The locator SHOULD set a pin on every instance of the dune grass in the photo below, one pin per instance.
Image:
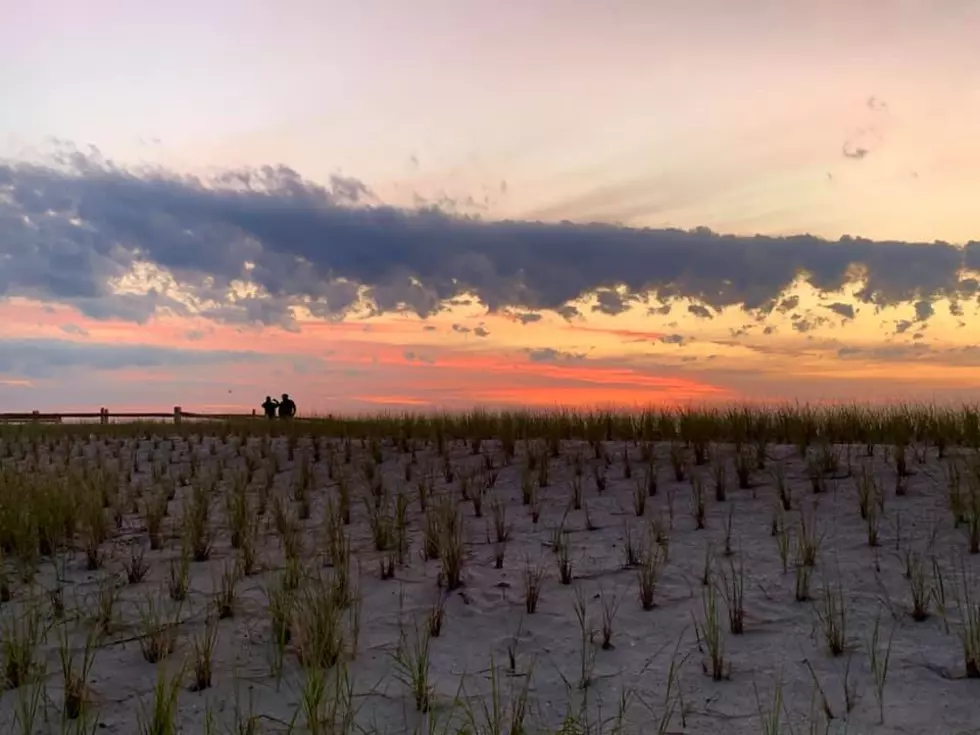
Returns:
(277, 546)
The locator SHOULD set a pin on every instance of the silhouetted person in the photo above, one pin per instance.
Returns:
(270, 407)
(287, 408)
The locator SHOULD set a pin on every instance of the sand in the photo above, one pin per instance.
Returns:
(926, 689)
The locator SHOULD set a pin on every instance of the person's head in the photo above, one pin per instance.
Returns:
(268, 398)
(285, 396)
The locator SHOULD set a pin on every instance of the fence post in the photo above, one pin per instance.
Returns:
(177, 414)
(34, 416)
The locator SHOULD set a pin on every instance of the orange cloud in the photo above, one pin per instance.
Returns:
(402, 361)
(392, 400)
(625, 333)
(16, 383)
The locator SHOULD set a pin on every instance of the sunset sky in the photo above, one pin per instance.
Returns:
(438, 204)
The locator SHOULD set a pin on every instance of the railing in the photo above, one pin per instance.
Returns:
(103, 415)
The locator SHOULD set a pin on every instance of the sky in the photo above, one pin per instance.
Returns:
(444, 204)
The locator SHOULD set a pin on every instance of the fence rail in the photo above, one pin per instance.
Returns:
(104, 414)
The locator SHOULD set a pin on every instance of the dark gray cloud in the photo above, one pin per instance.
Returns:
(69, 229)
(673, 339)
(845, 310)
(788, 304)
(568, 312)
(40, 358)
(611, 303)
(923, 310)
(528, 318)
(700, 311)
(808, 323)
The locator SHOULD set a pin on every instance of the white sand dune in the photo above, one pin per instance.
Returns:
(656, 665)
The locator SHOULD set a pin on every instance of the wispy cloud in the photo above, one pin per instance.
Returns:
(856, 152)
(549, 354)
(39, 358)
(16, 383)
(74, 329)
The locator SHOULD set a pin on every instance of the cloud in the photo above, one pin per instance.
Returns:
(74, 329)
(672, 339)
(923, 310)
(549, 354)
(611, 303)
(130, 307)
(700, 311)
(967, 356)
(41, 358)
(845, 310)
(864, 139)
(461, 329)
(876, 105)
(527, 318)
(809, 323)
(481, 331)
(788, 304)
(412, 356)
(71, 230)
(855, 152)
(9, 383)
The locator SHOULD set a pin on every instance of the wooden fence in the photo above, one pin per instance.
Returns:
(103, 415)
